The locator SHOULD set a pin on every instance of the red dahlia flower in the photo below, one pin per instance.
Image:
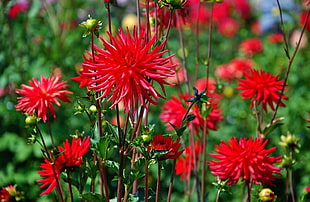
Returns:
(70, 155)
(252, 46)
(262, 87)
(235, 69)
(40, 96)
(173, 112)
(160, 143)
(127, 68)
(246, 159)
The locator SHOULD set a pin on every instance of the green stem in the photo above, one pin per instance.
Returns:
(70, 185)
(291, 179)
(58, 187)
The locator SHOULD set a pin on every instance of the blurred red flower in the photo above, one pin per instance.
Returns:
(262, 87)
(247, 159)
(173, 112)
(160, 143)
(70, 155)
(228, 27)
(17, 8)
(127, 68)
(185, 165)
(201, 85)
(235, 69)
(40, 96)
(4, 195)
(302, 20)
(275, 38)
(252, 46)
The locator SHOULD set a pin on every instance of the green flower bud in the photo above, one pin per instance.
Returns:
(267, 195)
(31, 120)
(146, 138)
(287, 162)
(172, 4)
(93, 109)
(290, 142)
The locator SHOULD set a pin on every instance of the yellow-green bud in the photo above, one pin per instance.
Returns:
(146, 138)
(287, 162)
(93, 109)
(31, 120)
(290, 142)
(91, 24)
(267, 195)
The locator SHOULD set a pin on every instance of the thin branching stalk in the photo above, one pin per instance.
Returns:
(171, 181)
(158, 182)
(70, 185)
(208, 61)
(183, 53)
(103, 177)
(258, 120)
(249, 190)
(197, 42)
(290, 58)
(146, 181)
(50, 132)
(51, 161)
(204, 156)
(287, 192)
(218, 195)
(109, 17)
(290, 173)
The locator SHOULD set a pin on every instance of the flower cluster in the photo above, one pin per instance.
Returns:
(174, 108)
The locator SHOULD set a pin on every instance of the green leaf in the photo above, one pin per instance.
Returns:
(102, 146)
(271, 127)
(92, 197)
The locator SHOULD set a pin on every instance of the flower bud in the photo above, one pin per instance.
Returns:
(287, 162)
(31, 120)
(267, 195)
(93, 109)
(146, 138)
(290, 142)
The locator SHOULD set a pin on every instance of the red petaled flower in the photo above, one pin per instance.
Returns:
(70, 155)
(308, 121)
(262, 87)
(160, 143)
(235, 69)
(173, 112)
(127, 68)
(4, 195)
(186, 164)
(40, 96)
(228, 27)
(252, 46)
(247, 159)
(275, 38)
